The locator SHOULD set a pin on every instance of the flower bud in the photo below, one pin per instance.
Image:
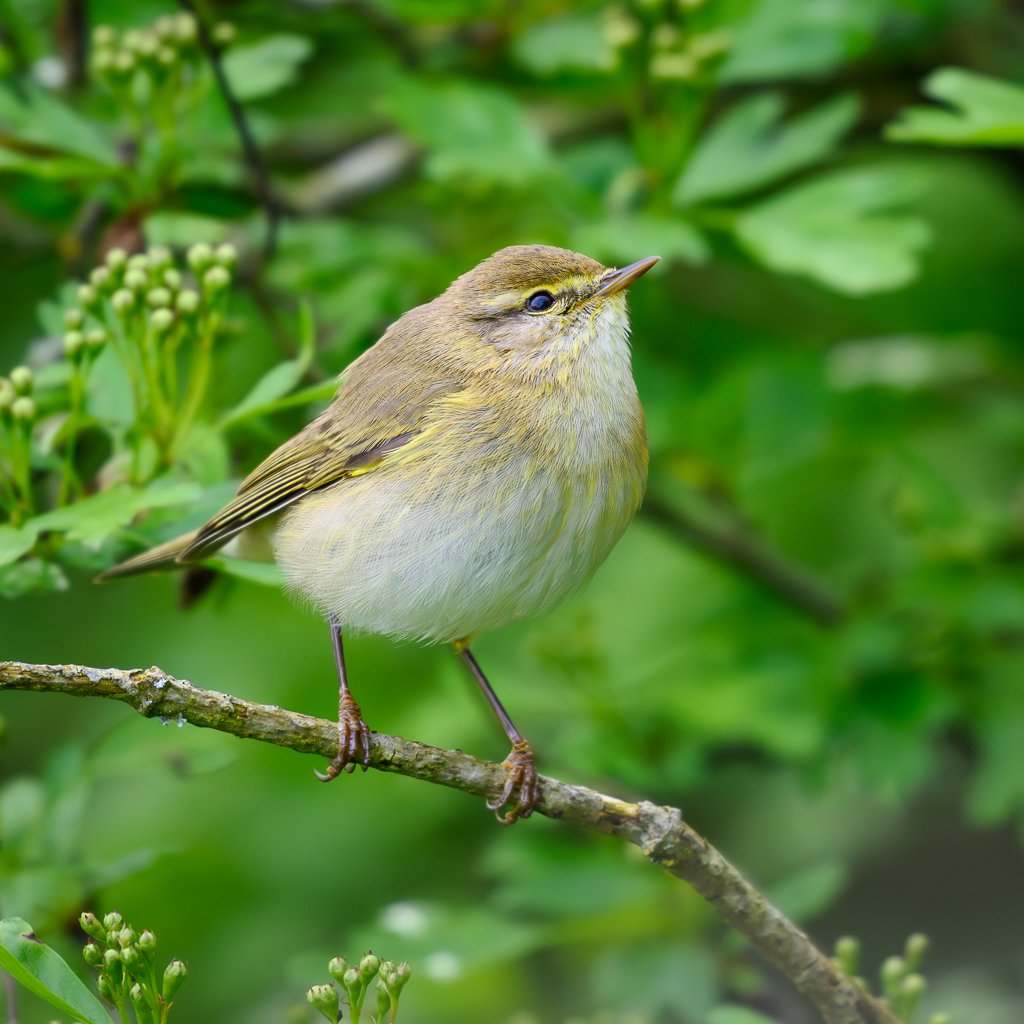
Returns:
(126, 936)
(917, 947)
(847, 954)
(103, 35)
(172, 278)
(892, 972)
(21, 378)
(74, 342)
(147, 941)
(131, 957)
(368, 967)
(403, 974)
(159, 256)
(112, 921)
(86, 295)
(102, 61)
(351, 980)
(199, 257)
(164, 25)
(99, 277)
(104, 988)
(161, 320)
(337, 968)
(166, 57)
(135, 994)
(185, 28)
(324, 999)
(92, 954)
(116, 258)
(911, 989)
(138, 261)
(124, 63)
(187, 301)
(111, 958)
(216, 279)
(73, 319)
(148, 44)
(226, 255)
(90, 924)
(224, 33)
(136, 280)
(174, 976)
(383, 1000)
(158, 297)
(122, 301)
(95, 337)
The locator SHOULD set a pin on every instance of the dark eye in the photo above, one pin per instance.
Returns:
(539, 301)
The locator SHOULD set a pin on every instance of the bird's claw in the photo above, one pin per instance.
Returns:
(520, 781)
(353, 742)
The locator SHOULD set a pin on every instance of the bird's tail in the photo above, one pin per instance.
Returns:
(164, 556)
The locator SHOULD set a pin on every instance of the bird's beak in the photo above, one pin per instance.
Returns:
(616, 280)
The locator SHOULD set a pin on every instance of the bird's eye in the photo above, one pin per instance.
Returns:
(540, 301)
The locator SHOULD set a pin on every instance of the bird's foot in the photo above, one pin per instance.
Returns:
(520, 783)
(353, 741)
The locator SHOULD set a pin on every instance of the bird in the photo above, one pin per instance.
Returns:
(475, 467)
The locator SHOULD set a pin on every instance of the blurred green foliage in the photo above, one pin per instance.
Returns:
(811, 640)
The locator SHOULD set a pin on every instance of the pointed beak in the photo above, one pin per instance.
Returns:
(616, 280)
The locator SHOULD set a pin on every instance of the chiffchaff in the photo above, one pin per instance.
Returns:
(476, 466)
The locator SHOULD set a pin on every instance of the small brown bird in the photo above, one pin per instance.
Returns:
(476, 466)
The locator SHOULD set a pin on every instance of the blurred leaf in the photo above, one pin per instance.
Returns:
(14, 542)
(280, 379)
(985, 111)
(809, 891)
(750, 146)
(260, 69)
(95, 518)
(39, 969)
(267, 574)
(997, 789)
(798, 38)
(32, 115)
(631, 236)
(838, 229)
(29, 575)
(575, 41)
(470, 130)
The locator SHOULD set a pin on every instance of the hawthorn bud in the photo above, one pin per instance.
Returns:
(174, 976)
(158, 297)
(199, 256)
(224, 33)
(95, 337)
(187, 301)
(337, 968)
(172, 278)
(216, 279)
(91, 925)
(136, 280)
(162, 319)
(226, 255)
(103, 35)
(21, 378)
(73, 319)
(368, 967)
(324, 999)
(116, 258)
(122, 301)
(112, 921)
(92, 954)
(86, 295)
(147, 941)
(99, 277)
(74, 342)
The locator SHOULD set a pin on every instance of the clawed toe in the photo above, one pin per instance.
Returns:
(520, 783)
(353, 743)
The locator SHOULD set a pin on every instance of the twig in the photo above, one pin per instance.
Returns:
(738, 547)
(253, 156)
(660, 832)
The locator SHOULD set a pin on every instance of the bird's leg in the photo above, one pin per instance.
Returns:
(520, 768)
(353, 735)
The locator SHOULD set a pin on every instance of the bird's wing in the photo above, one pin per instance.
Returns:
(381, 405)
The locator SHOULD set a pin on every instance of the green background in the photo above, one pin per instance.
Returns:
(830, 360)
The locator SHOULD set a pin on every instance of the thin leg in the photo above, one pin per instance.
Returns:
(353, 735)
(520, 767)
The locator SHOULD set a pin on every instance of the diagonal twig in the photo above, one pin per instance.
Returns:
(660, 832)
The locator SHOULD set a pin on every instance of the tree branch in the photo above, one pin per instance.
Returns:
(660, 832)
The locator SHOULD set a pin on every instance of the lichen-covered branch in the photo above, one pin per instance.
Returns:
(660, 832)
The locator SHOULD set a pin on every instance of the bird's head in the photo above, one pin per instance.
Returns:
(543, 305)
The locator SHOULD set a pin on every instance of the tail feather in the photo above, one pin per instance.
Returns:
(164, 556)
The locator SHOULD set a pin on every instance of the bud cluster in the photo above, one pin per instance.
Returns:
(355, 980)
(156, 310)
(672, 46)
(18, 413)
(127, 969)
(167, 48)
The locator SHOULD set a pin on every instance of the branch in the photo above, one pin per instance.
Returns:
(660, 832)
(737, 546)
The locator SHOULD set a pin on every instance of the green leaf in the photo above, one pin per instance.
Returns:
(281, 379)
(985, 111)
(14, 542)
(32, 115)
(91, 520)
(31, 575)
(840, 229)
(260, 69)
(631, 236)
(39, 969)
(810, 891)
(749, 146)
(470, 130)
(797, 38)
(267, 574)
(573, 42)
